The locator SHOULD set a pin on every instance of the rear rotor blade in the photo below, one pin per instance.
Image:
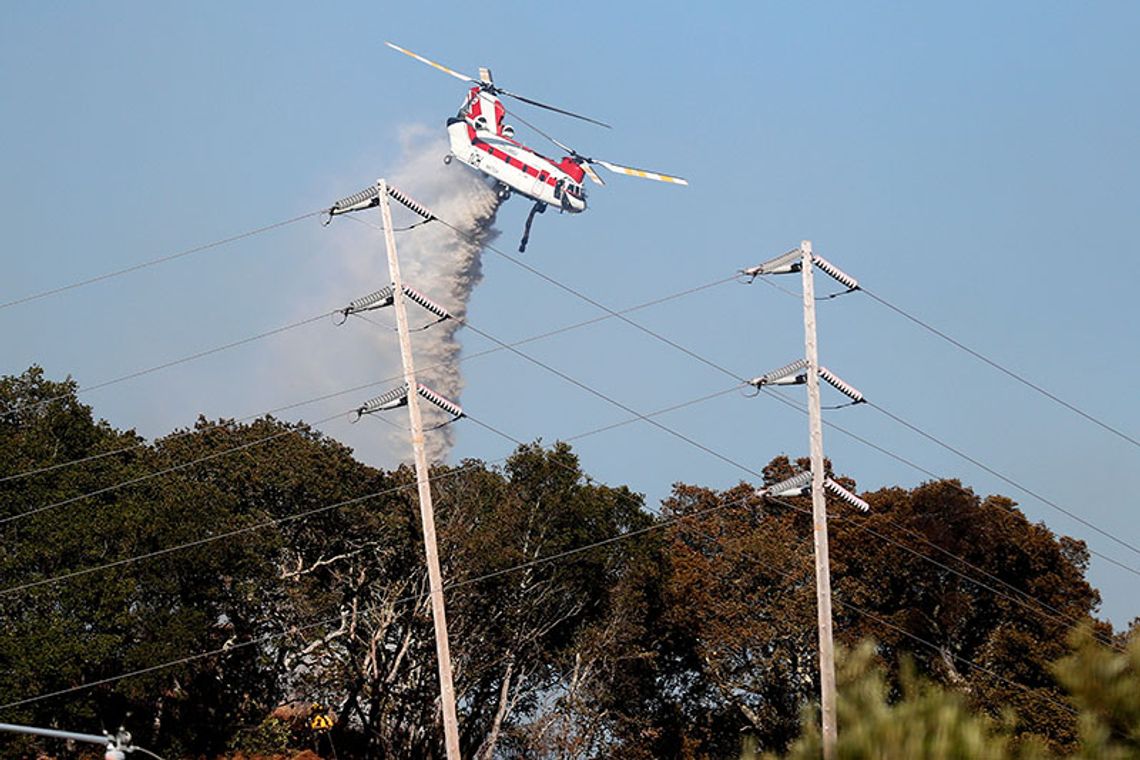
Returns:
(563, 146)
(643, 173)
(553, 108)
(433, 64)
(592, 174)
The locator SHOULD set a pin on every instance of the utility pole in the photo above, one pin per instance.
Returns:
(409, 394)
(427, 516)
(819, 512)
(804, 261)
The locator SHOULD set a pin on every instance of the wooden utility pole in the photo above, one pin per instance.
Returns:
(427, 517)
(819, 511)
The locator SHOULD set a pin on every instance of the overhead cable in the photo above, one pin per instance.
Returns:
(930, 473)
(318, 510)
(325, 397)
(1005, 370)
(159, 260)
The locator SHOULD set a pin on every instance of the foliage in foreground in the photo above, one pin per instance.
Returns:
(914, 718)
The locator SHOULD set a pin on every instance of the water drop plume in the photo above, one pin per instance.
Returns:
(434, 259)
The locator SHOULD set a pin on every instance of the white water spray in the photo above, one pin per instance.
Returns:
(444, 265)
(435, 260)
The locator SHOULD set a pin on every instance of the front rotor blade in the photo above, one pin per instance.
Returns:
(433, 64)
(644, 174)
(553, 108)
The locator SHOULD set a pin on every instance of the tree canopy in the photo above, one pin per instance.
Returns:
(216, 588)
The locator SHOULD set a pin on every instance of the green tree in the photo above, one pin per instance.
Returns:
(905, 718)
(1104, 683)
(96, 625)
(736, 649)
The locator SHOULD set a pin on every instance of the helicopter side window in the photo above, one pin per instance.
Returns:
(558, 188)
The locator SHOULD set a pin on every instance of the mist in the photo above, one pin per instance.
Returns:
(435, 260)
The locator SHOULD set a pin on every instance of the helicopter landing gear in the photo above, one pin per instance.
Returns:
(447, 159)
(503, 192)
(538, 208)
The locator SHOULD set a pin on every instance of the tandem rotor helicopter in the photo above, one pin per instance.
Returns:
(481, 138)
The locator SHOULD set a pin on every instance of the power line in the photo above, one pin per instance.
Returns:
(1003, 369)
(919, 468)
(722, 369)
(220, 536)
(978, 463)
(172, 363)
(578, 294)
(318, 510)
(326, 621)
(148, 476)
(184, 433)
(159, 260)
(616, 403)
(608, 399)
(1044, 610)
(1056, 616)
(755, 474)
(611, 313)
(957, 657)
(486, 577)
(501, 345)
(461, 359)
(1004, 478)
(986, 360)
(904, 632)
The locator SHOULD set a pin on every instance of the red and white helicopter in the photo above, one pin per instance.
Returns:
(481, 138)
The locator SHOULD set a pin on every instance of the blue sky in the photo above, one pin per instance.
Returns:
(976, 165)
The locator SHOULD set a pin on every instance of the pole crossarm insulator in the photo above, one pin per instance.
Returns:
(426, 303)
(842, 493)
(410, 204)
(443, 403)
(792, 261)
(789, 262)
(793, 486)
(393, 399)
(835, 272)
(398, 397)
(800, 485)
(378, 300)
(384, 297)
(369, 197)
(847, 390)
(789, 374)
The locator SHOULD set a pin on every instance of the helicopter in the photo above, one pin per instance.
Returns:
(480, 137)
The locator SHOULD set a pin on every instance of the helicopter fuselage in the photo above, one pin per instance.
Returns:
(480, 138)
